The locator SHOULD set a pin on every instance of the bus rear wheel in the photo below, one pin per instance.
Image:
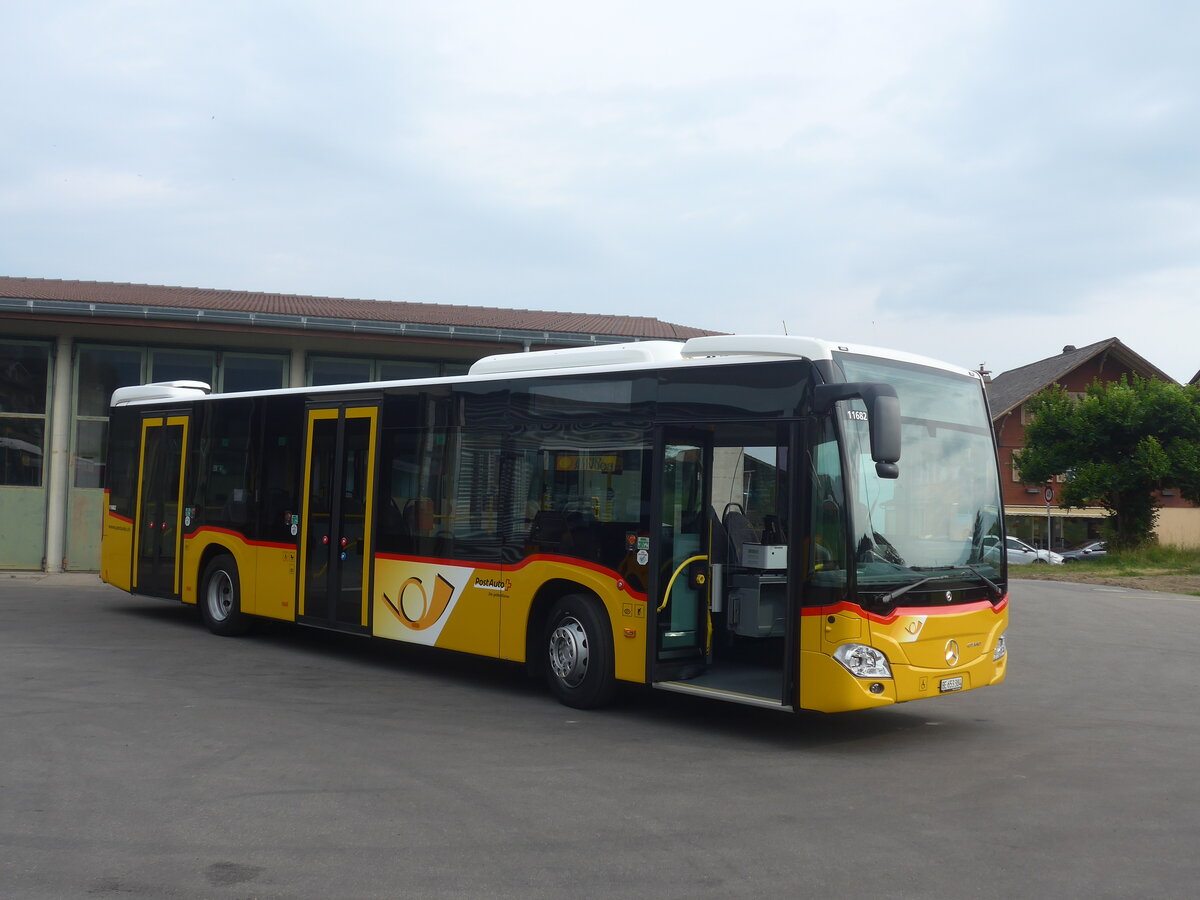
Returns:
(221, 597)
(579, 661)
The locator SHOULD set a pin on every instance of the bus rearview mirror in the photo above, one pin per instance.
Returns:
(883, 418)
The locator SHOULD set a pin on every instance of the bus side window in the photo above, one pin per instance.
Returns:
(577, 490)
(398, 486)
(279, 465)
(227, 478)
(120, 471)
(827, 544)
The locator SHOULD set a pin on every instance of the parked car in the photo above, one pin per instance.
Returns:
(1020, 553)
(1086, 550)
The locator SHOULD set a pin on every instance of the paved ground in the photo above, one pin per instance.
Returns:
(140, 756)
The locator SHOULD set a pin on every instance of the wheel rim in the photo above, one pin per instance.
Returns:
(219, 597)
(569, 652)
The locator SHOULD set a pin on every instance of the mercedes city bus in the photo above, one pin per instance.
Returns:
(771, 520)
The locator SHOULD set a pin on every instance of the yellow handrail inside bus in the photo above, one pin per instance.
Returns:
(682, 566)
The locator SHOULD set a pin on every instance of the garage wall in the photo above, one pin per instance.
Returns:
(1180, 527)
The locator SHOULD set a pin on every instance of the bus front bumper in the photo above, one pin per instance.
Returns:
(827, 686)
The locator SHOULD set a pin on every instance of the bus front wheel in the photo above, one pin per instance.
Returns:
(579, 662)
(221, 597)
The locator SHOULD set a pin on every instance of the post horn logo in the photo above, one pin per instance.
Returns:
(413, 606)
(952, 653)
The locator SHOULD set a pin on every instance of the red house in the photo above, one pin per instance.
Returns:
(1028, 516)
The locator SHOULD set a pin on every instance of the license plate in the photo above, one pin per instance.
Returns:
(950, 684)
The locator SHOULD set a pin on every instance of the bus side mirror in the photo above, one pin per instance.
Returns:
(883, 418)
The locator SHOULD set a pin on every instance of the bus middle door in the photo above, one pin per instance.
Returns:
(336, 519)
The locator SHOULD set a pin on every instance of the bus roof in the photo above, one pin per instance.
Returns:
(713, 349)
(648, 353)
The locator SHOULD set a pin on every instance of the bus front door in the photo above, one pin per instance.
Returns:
(159, 503)
(722, 607)
(682, 571)
(335, 544)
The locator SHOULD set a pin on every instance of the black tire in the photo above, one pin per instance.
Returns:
(220, 598)
(579, 652)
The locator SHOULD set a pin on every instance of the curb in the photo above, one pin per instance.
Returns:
(52, 579)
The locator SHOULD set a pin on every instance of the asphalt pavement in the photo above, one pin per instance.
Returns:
(141, 756)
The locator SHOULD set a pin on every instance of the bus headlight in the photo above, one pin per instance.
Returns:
(1001, 649)
(863, 661)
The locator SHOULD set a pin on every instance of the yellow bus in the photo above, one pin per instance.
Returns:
(770, 520)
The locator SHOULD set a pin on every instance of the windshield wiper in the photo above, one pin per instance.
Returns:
(904, 589)
(995, 587)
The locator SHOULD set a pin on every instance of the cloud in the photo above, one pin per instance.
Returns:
(985, 179)
(83, 191)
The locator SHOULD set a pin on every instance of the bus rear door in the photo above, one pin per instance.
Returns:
(157, 531)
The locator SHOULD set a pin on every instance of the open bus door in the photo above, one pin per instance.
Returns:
(335, 542)
(680, 590)
(724, 611)
(157, 531)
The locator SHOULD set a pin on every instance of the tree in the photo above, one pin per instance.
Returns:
(1123, 441)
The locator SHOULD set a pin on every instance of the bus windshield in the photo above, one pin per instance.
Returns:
(941, 518)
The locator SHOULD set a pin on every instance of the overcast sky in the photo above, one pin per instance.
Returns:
(978, 181)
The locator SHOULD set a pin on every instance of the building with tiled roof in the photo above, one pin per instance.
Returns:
(1074, 369)
(66, 345)
(1100, 359)
(209, 307)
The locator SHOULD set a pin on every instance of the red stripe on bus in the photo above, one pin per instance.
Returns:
(901, 611)
(229, 532)
(622, 584)
(582, 564)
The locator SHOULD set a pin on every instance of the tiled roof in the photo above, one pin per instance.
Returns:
(340, 308)
(1009, 389)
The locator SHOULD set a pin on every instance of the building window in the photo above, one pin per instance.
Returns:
(398, 370)
(345, 370)
(90, 436)
(98, 372)
(182, 365)
(24, 379)
(334, 370)
(251, 372)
